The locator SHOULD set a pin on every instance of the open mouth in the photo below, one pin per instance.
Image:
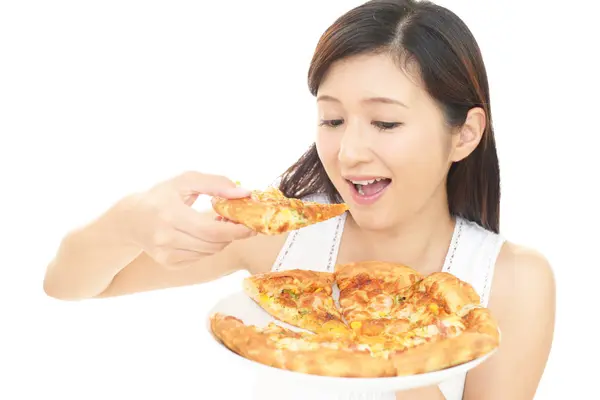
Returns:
(368, 190)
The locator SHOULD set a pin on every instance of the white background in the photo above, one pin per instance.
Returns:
(99, 99)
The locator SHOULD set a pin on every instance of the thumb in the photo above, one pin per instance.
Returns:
(212, 185)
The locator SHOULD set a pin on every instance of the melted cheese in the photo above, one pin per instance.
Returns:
(380, 306)
(335, 327)
(427, 331)
(265, 299)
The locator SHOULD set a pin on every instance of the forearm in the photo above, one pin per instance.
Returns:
(89, 258)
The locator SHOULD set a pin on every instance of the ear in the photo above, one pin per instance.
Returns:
(469, 135)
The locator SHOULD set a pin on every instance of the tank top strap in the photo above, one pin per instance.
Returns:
(314, 247)
(472, 258)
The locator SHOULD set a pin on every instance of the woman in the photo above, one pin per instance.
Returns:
(405, 137)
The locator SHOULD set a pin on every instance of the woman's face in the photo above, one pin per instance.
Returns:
(382, 140)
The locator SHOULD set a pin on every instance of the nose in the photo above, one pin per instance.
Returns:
(355, 147)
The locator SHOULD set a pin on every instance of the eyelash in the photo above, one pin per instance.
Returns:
(331, 123)
(385, 126)
(381, 125)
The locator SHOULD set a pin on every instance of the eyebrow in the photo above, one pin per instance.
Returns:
(383, 100)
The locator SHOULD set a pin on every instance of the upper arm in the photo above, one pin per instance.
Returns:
(523, 302)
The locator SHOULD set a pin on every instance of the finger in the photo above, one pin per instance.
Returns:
(213, 185)
(249, 231)
(190, 199)
(203, 226)
(226, 230)
(223, 219)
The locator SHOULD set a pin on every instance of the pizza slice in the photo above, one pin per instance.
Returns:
(368, 294)
(447, 325)
(271, 213)
(301, 298)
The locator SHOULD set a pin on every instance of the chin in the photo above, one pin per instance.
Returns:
(373, 219)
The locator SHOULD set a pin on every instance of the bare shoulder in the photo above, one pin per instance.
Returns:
(523, 300)
(522, 273)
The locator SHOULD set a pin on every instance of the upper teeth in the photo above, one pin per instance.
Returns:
(367, 182)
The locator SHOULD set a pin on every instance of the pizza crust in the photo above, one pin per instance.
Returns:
(452, 292)
(387, 271)
(344, 360)
(480, 338)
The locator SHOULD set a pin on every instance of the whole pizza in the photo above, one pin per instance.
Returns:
(388, 321)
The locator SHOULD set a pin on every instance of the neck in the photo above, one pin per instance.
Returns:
(420, 242)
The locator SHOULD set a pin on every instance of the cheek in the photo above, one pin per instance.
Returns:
(328, 147)
(416, 159)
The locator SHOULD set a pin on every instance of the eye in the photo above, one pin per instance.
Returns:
(332, 123)
(384, 126)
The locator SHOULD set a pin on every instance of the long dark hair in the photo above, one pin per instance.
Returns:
(453, 72)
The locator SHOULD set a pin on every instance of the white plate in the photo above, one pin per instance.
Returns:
(241, 306)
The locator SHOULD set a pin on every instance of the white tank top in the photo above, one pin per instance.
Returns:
(471, 257)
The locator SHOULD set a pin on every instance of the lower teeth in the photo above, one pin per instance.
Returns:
(359, 188)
